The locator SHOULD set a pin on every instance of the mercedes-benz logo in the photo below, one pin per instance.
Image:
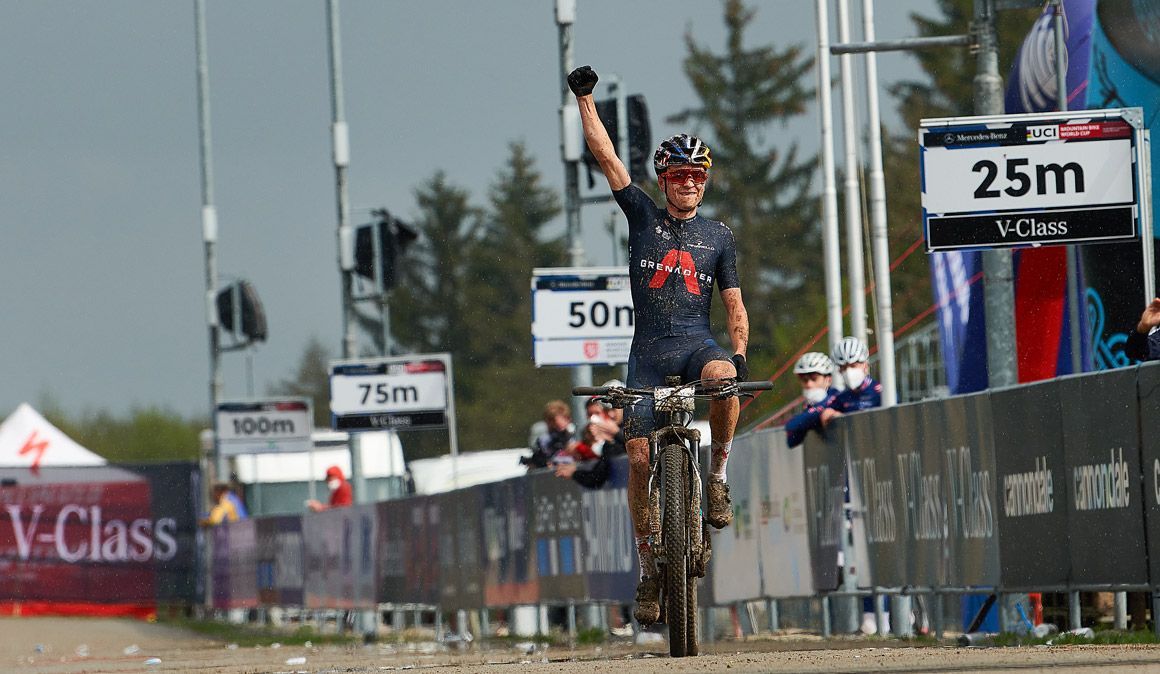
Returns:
(949, 138)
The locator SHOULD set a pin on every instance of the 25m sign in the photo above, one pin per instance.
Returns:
(1030, 180)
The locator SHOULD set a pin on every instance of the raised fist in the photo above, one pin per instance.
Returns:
(581, 80)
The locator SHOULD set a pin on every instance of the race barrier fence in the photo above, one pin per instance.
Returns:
(1053, 486)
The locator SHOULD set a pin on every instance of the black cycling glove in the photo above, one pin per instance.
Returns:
(582, 79)
(742, 367)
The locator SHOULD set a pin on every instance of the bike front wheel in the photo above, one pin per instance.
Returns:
(676, 542)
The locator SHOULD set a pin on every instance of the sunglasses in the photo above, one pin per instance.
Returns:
(681, 176)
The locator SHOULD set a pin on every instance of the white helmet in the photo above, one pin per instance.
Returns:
(851, 350)
(814, 361)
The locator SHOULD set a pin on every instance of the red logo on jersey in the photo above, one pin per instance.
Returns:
(681, 262)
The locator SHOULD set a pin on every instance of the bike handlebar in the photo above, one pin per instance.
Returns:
(743, 386)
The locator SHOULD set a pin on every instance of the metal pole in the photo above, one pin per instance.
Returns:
(832, 258)
(209, 227)
(998, 271)
(856, 273)
(452, 423)
(341, 147)
(905, 44)
(1073, 290)
(1144, 156)
(1073, 610)
(565, 16)
(879, 243)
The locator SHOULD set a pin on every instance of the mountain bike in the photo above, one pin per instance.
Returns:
(676, 522)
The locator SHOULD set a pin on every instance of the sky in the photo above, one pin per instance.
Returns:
(102, 263)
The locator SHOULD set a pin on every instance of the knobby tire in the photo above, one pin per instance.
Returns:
(676, 473)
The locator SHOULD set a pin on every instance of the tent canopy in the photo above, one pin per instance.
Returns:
(27, 440)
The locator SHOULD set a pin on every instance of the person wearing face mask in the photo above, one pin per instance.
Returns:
(862, 392)
(815, 372)
(341, 494)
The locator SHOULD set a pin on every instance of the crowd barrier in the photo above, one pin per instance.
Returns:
(1052, 486)
(1036, 487)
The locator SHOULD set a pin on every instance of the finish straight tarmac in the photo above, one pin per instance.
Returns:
(52, 645)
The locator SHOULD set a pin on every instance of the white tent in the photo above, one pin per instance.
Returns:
(27, 440)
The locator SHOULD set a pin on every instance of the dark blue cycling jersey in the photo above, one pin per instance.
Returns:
(867, 396)
(673, 265)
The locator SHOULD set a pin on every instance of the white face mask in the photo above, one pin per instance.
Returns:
(854, 377)
(333, 484)
(814, 395)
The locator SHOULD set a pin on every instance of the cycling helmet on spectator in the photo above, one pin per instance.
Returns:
(814, 361)
(849, 351)
(681, 150)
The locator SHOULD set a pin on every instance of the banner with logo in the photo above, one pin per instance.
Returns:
(340, 562)
(557, 534)
(421, 551)
(78, 540)
(782, 520)
(825, 468)
(460, 553)
(235, 558)
(736, 561)
(281, 564)
(1032, 486)
(609, 558)
(394, 529)
(508, 577)
(1101, 455)
(1148, 381)
(971, 552)
(175, 491)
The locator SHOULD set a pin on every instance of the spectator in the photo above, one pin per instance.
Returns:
(223, 509)
(606, 427)
(236, 496)
(815, 371)
(341, 494)
(1144, 342)
(558, 419)
(862, 392)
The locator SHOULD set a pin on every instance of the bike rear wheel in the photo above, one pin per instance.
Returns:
(675, 532)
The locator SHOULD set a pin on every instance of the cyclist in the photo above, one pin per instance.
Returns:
(675, 258)
(862, 392)
(815, 371)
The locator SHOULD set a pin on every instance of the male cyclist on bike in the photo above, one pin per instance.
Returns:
(675, 258)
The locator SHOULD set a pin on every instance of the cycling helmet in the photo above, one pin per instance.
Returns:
(814, 361)
(851, 350)
(681, 150)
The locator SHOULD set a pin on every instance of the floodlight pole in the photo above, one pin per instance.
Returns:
(879, 242)
(998, 270)
(569, 135)
(830, 246)
(855, 271)
(341, 149)
(209, 227)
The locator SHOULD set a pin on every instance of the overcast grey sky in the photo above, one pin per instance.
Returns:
(102, 263)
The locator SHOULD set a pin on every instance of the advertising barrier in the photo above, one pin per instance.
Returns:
(175, 490)
(783, 529)
(736, 561)
(1042, 486)
(825, 469)
(1102, 461)
(1031, 511)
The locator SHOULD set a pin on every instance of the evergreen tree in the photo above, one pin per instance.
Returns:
(144, 435)
(513, 243)
(312, 380)
(760, 184)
